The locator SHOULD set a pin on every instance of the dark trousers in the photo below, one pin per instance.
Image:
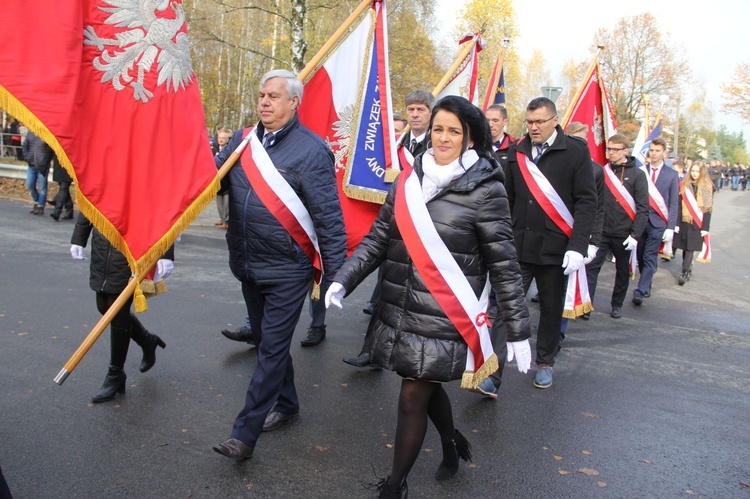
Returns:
(274, 311)
(63, 200)
(550, 281)
(648, 254)
(500, 347)
(622, 276)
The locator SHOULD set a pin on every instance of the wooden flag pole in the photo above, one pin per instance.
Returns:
(492, 84)
(100, 326)
(310, 67)
(579, 91)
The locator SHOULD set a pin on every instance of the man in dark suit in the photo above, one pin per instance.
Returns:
(545, 252)
(497, 115)
(658, 228)
(418, 112)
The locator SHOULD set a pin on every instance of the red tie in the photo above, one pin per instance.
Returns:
(653, 174)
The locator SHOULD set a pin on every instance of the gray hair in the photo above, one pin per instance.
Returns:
(420, 97)
(293, 85)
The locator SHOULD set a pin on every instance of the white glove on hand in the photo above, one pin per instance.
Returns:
(335, 295)
(572, 261)
(704, 233)
(630, 243)
(668, 235)
(677, 230)
(164, 269)
(590, 254)
(77, 252)
(521, 350)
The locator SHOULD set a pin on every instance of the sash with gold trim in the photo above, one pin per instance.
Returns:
(624, 199)
(697, 215)
(280, 199)
(445, 280)
(577, 297)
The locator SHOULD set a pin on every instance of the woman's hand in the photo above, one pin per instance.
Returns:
(76, 252)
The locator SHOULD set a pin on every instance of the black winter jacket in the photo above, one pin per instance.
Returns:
(409, 333)
(260, 248)
(37, 153)
(617, 223)
(110, 272)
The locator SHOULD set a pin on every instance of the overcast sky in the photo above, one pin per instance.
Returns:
(715, 37)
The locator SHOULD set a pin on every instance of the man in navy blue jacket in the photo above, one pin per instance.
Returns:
(274, 270)
(657, 229)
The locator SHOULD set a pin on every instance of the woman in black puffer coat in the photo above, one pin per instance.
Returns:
(409, 332)
(109, 276)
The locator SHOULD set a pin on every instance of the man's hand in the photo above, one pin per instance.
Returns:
(630, 243)
(590, 254)
(335, 295)
(77, 252)
(572, 261)
(704, 233)
(164, 269)
(668, 235)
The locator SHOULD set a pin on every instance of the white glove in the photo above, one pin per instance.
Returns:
(668, 235)
(521, 350)
(77, 252)
(630, 243)
(335, 295)
(590, 254)
(677, 230)
(704, 233)
(164, 269)
(572, 261)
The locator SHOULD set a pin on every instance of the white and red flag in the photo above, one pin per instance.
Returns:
(347, 102)
(109, 85)
(591, 107)
(465, 79)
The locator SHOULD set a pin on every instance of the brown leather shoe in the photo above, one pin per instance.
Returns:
(236, 449)
(275, 419)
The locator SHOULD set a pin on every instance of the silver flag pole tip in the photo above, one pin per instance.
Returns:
(62, 376)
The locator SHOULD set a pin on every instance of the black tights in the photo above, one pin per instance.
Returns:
(124, 326)
(417, 401)
(687, 260)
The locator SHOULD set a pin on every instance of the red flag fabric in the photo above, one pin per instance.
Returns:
(109, 85)
(592, 108)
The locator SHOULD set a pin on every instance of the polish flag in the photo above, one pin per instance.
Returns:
(465, 79)
(347, 102)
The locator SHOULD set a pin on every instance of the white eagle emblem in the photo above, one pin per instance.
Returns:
(598, 127)
(342, 133)
(154, 33)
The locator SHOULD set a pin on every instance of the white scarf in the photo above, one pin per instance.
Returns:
(436, 177)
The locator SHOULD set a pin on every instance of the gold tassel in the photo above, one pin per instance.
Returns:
(578, 311)
(471, 379)
(140, 301)
(315, 293)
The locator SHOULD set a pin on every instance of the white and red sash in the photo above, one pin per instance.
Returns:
(627, 202)
(697, 215)
(445, 280)
(280, 199)
(577, 297)
(655, 199)
(405, 157)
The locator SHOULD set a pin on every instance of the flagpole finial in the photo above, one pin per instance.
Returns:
(506, 42)
(600, 47)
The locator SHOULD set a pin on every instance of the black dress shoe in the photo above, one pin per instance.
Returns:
(244, 333)
(275, 419)
(68, 215)
(361, 360)
(236, 449)
(314, 336)
(586, 316)
(616, 313)
(637, 300)
(55, 216)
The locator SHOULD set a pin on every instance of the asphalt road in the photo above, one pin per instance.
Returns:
(656, 404)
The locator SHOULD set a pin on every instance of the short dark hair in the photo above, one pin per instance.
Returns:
(540, 102)
(498, 107)
(420, 97)
(619, 138)
(658, 141)
(475, 126)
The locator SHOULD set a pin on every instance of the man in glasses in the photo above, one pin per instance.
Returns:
(626, 214)
(552, 198)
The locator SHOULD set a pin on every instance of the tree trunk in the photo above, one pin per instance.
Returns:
(299, 45)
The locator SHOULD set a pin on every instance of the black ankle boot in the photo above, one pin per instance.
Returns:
(114, 382)
(394, 491)
(453, 449)
(683, 278)
(149, 344)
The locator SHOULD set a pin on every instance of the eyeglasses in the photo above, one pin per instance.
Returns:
(530, 123)
(614, 149)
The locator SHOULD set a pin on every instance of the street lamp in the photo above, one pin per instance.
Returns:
(552, 93)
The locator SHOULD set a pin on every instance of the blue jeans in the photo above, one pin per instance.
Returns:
(735, 182)
(33, 178)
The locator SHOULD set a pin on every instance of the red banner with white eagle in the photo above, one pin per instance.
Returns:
(591, 107)
(109, 85)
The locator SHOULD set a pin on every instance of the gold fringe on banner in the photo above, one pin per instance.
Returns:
(471, 379)
(141, 266)
(578, 311)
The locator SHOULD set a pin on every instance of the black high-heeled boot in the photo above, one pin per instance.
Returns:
(114, 382)
(394, 491)
(457, 447)
(147, 341)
